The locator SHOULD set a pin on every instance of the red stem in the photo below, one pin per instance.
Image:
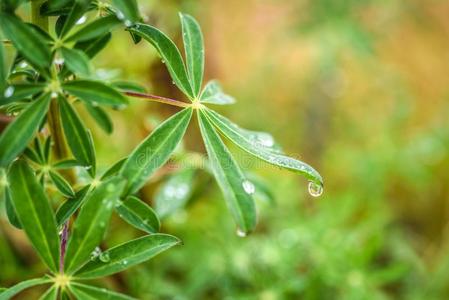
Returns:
(157, 99)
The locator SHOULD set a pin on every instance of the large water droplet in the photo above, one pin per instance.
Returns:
(241, 233)
(315, 189)
(81, 20)
(104, 257)
(249, 187)
(9, 91)
(97, 252)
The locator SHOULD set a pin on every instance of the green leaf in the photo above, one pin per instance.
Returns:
(91, 222)
(3, 70)
(194, 49)
(68, 208)
(26, 40)
(260, 149)
(77, 11)
(66, 164)
(92, 47)
(174, 193)
(10, 210)
(87, 292)
(155, 150)
(35, 214)
(76, 134)
(14, 290)
(213, 94)
(127, 10)
(139, 214)
(95, 92)
(127, 254)
(76, 61)
(61, 184)
(114, 169)
(20, 132)
(234, 185)
(129, 86)
(101, 117)
(169, 53)
(20, 91)
(50, 294)
(94, 29)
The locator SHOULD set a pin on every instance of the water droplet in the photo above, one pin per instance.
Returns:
(23, 64)
(97, 252)
(120, 15)
(128, 23)
(9, 91)
(241, 233)
(125, 262)
(249, 187)
(104, 257)
(59, 61)
(163, 61)
(81, 20)
(315, 189)
(173, 82)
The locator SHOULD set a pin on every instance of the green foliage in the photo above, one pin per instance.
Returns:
(51, 72)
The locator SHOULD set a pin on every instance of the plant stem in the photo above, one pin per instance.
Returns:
(159, 99)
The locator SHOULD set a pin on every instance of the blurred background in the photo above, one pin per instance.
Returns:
(357, 88)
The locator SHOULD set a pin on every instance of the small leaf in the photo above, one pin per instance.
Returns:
(169, 53)
(129, 86)
(258, 149)
(68, 208)
(61, 184)
(77, 11)
(194, 49)
(34, 212)
(66, 164)
(155, 150)
(229, 177)
(101, 117)
(20, 132)
(93, 46)
(95, 92)
(91, 222)
(10, 210)
(127, 11)
(87, 292)
(128, 254)
(114, 169)
(25, 40)
(76, 61)
(139, 214)
(174, 193)
(94, 29)
(14, 290)
(20, 91)
(76, 134)
(50, 294)
(213, 94)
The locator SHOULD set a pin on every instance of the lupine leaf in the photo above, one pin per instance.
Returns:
(169, 53)
(174, 193)
(14, 290)
(77, 11)
(87, 292)
(91, 223)
(101, 117)
(93, 46)
(258, 149)
(94, 29)
(20, 92)
(155, 150)
(3, 71)
(68, 208)
(127, 254)
(114, 169)
(25, 40)
(128, 10)
(213, 94)
(194, 49)
(34, 212)
(66, 164)
(76, 134)
(95, 92)
(50, 294)
(20, 132)
(129, 86)
(11, 211)
(76, 61)
(61, 184)
(139, 214)
(229, 177)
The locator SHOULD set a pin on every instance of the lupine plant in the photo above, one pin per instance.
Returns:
(46, 146)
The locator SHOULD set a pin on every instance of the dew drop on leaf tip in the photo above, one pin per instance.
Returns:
(315, 189)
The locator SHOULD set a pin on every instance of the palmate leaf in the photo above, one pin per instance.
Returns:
(87, 292)
(95, 92)
(128, 254)
(91, 222)
(94, 29)
(26, 40)
(50, 294)
(61, 184)
(155, 150)
(169, 53)
(76, 61)
(20, 132)
(214, 94)
(76, 134)
(139, 214)
(14, 290)
(34, 212)
(235, 187)
(127, 10)
(235, 134)
(194, 49)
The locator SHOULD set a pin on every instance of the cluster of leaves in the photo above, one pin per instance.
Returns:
(50, 73)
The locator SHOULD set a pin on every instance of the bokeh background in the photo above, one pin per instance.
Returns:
(357, 88)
